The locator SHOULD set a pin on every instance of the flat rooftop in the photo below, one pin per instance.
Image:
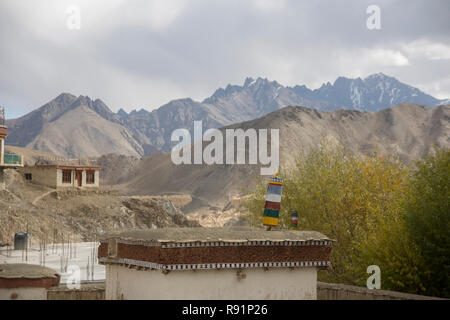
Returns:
(232, 234)
(67, 166)
(26, 271)
(215, 248)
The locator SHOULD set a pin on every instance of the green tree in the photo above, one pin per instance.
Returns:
(428, 221)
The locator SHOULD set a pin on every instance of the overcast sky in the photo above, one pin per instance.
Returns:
(137, 54)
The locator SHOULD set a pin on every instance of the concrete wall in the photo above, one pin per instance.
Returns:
(325, 291)
(43, 176)
(23, 294)
(251, 284)
(91, 291)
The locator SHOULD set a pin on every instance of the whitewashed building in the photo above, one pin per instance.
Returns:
(213, 263)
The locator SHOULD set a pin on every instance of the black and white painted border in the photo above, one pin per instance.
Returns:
(199, 244)
(206, 266)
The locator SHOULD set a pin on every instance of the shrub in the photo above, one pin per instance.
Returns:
(428, 221)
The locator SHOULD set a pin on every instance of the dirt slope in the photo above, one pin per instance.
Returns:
(80, 214)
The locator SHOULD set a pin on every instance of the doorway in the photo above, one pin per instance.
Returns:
(79, 178)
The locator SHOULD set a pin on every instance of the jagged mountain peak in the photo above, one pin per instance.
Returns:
(248, 81)
(378, 76)
(250, 85)
(258, 82)
(65, 96)
(122, 113)
(97, 105)
(326, 85)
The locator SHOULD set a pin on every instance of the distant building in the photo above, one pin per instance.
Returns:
(213, 263)
(26, 281)
(63, 176)
(59, 174)
(7, 160)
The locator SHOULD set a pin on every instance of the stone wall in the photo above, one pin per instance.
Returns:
(331, 291)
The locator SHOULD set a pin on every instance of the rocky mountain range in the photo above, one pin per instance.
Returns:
(74, 127)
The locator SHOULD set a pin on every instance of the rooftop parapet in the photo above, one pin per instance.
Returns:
(215, 248)
(27, 276)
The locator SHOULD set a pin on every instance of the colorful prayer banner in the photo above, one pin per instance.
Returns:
(273, 202)
(272, 205)
(294, 219)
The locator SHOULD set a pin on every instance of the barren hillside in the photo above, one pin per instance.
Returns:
(73, 127)
(78, 213)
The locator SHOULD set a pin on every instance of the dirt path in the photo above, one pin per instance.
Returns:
(41, 196)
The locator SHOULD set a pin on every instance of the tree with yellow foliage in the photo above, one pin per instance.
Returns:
(357, 201)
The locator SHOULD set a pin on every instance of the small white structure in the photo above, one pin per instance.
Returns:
(63, 176)
(26, 281)
(213, 263)
(7, 160)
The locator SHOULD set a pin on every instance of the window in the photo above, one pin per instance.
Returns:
(67, 176)
(28, 176)
(90, 177)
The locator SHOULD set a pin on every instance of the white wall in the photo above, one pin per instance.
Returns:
(24, 293)
(74, 182)
(275, 284)
(61, 184)
(2, 151)
(96, 183)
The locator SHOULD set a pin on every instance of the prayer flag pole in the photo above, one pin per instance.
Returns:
(273, 202)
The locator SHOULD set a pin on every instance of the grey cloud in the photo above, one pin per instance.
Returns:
(209, 44)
